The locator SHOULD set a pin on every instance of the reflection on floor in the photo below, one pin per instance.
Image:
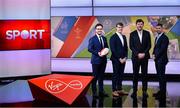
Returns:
(20, 96)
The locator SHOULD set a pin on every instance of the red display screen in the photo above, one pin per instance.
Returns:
(24, 34)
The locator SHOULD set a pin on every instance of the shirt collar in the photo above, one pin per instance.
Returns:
(98, 35)
(158, 35)
(140, 31)
(119, 34)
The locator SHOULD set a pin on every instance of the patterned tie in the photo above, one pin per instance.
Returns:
(155, 40)
(101, 42)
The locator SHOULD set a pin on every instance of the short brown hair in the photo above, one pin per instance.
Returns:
(99, 24)
(120, 24)
(159, 24)
(139, 20)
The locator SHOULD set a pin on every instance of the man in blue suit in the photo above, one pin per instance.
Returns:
(161, 60)
(119, 49)
(98, 61)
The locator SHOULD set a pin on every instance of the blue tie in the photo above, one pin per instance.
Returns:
(156, 40)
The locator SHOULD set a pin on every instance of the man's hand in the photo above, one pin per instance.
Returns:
(141, 55)
(122, 61)
(99, 53)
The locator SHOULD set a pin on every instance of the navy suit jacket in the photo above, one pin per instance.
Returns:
(117, 49)
(94, 47)
(160, 49)
(137, 47)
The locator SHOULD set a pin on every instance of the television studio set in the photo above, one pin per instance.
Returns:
(89, 53)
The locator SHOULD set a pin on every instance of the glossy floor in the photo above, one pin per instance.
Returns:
(20, 96)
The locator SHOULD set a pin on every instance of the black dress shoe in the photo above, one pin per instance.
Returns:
(145, 95)
(134, 95)
(95, 95)
(156, 94)
(103, 94)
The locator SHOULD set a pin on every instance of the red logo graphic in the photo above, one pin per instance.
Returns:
(58, 86)
(24, 34)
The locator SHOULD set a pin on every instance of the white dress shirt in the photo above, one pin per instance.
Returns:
(158, 36)
(140, 35)
(121, 38)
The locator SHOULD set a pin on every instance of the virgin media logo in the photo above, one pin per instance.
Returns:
(58, 86)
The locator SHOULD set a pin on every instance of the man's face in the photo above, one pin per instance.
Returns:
(119, 29)
(99, 30)
(139, 26)
(159, 29)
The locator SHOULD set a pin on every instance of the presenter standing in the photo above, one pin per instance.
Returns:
(98, 60)
(161, 60)
(140, 44)
(119, 49)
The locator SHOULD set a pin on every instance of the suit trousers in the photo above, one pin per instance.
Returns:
(118, 74)
(160, 68)
(143, 63)
(98, 73)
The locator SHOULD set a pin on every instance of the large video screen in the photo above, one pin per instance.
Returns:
(70, 34)
(24, 38)
(24, 47)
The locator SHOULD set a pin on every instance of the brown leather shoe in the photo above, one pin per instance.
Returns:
(115, 93)
(122, 92)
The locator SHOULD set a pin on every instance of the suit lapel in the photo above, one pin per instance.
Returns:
(137, 36)
(97, 41)
(118, 38)
(156, 43)
(143, 36)
(160, 37)
(124, 41)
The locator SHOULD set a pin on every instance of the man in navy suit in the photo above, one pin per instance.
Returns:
(119, 49)
(161, 60)
(98, 61)
(140, 44)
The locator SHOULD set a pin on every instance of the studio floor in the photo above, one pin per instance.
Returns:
(18, 94)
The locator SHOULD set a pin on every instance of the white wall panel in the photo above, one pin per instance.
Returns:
(135, 11)
(24, 62)
(136, 2)
(63, 3)
(71, 11)
(24, 9)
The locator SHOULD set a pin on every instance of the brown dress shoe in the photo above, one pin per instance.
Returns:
(122, 92)
(115, 93)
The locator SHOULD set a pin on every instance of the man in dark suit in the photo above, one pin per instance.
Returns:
(119, 49)
(161, 60)
(140, 44)
(98, 61)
